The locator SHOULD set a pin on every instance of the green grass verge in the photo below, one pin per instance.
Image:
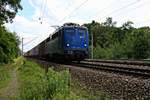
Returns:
(35, 84)
(147, 59)
(4, 76)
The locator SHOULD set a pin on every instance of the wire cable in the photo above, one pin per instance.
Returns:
(43, 12)
(137, 7)
(101, 10)
(30, 41)
(126, 6)
(44, 8)
(78, 7)
(41, 8)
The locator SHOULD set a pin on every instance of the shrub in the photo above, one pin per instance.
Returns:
(38, 85)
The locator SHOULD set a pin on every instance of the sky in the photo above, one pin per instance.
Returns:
(34, 23)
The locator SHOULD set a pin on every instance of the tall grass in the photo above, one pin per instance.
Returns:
(38, 85)
(4, 76)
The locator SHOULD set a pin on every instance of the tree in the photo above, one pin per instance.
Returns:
(8, 45)
(8, 41)
(125, 42)
(109, 22)
(127, 25)
(8, 10)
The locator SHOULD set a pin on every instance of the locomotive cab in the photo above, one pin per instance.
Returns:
(75, 42)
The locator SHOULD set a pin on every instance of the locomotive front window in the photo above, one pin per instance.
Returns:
(70, 32)
(82, 33)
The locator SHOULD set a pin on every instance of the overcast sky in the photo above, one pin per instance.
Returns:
(56, 12)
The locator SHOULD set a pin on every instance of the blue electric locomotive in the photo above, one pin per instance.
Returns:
(75, 42)
(69, 42)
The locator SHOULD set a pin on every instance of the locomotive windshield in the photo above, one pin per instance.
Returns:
(70, 31)
(82, 33)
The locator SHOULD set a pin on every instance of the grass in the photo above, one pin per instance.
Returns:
(8, 79)
(35, 84)
(147, 59)
(4, 75)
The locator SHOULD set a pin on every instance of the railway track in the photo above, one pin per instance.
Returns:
(117, 86)
(136, 68)
(127, 62)
(123, 67)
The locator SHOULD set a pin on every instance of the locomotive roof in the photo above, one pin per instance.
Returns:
(66, 25)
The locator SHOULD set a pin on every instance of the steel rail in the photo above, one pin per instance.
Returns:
(112, 68)
(127, 62)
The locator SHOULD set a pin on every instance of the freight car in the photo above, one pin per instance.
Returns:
(69, 42)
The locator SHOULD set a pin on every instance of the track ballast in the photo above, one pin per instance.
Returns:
(136, 68)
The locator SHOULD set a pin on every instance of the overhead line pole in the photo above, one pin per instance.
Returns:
(92, 45)
(22, 47)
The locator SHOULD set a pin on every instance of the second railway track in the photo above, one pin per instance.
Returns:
(123, 68)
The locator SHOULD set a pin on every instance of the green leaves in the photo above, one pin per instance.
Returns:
(8, 41)
(125, 42)
(8, 10)
(36, 85)
(8, 45)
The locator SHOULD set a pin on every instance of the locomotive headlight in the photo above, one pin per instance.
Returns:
(68, 45)
(85, 45)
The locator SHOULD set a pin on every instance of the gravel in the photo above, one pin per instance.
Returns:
(116, 86)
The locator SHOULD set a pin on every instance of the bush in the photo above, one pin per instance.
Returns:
(38, 85)
(8, 45)
(125, 42)
(4, 76)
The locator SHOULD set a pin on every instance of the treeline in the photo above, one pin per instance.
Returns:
(125, 42)
(9, 43)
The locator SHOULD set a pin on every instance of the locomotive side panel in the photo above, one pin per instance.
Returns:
(42, 49)
(53, 48)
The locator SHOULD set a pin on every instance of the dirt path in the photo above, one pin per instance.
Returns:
(11, 90)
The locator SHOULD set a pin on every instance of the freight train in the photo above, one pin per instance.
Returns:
(69, 42)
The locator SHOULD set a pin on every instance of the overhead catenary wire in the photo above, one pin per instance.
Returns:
(137, 7)
(78, 7)
(43, 10)
(101, 10)
(53, 18)
(119, 9)
(116, 10)
(30, 41)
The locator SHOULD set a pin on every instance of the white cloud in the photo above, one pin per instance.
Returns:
(30, 29)
(56, 10)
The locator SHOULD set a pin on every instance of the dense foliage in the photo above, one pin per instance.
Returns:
(8, 45)
(125, 42)
(36, 85)
(8, 41)
(8, 10)
(4, 76)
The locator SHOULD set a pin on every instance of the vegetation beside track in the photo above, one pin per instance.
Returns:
(26, 80)
(124, 42)
(9, 80)
(38, 85)
(4, 76)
